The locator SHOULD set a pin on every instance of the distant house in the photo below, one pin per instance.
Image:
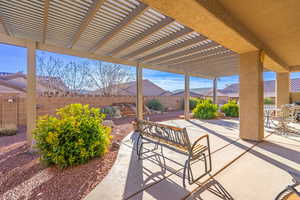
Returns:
(181, 93)
(17, 83)
(206, 93)
(129, 89)
(269, 88)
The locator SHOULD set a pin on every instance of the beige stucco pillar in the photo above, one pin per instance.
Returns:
(139, 92)
(186, 97)
(251, 96)
(31, 92)
(282, 89)
(215, 90)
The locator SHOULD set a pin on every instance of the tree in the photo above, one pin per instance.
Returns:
(48, 71)
(108, 77)
(76, 75)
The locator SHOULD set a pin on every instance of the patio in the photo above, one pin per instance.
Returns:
(208, 39)
(240, 168)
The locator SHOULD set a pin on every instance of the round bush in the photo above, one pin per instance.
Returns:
(231, 109)
(75, 136)
(154, 104)
(205, 110)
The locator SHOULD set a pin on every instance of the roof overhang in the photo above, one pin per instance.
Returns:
(120, 31)
(210, 18)
(203, 39)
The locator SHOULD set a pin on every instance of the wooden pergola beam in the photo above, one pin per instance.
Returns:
(85, 54)
(4, 26)
(172, 49)
(125, 23)
(207, 59)
(195, 56)
(45, 21)
(87, 20)
(157, 27)
(203, 66)
(295, 68)
(184, 53)
(159, 43)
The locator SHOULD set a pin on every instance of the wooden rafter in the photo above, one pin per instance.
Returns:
(219, 65)
(173, 49)
(211, 58)
(196, 56)
(125, 22)
(87, 20)
(184, 53)
(159, 43)
(46, 16)
(157, 27)
(4, 26)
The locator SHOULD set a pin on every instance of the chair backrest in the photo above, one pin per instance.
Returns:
(287, 113)
(174, 135)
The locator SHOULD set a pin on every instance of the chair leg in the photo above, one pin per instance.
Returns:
(140, 150)
(137, 144)
(184, 173)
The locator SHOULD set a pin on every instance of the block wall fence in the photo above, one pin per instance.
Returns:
(13, 106)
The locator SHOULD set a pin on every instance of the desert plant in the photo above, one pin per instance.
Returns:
(205, 110)
(268, 101)
(8, 131)
(154, 104)
(75, 136)
(231, 109)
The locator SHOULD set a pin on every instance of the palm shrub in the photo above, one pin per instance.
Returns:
(75, 136)
(231, 109)
(205, 110)
(154, 104)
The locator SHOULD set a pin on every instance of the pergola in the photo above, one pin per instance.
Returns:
(204, 38)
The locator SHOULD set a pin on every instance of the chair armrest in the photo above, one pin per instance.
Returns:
(200, 139)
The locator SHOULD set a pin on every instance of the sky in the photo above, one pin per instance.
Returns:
(13, 59)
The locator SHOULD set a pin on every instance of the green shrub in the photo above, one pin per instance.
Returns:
(268, 101)
(8, 131)
(75, 136)
(154, 104)
(205, 110)
(231, 109)
(193, 103)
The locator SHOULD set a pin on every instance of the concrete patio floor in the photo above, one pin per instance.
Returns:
(241, 169)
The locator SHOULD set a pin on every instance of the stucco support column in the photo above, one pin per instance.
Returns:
(186, 97)
(139, 92)
(215, 91)
(251, 96)
(31, 92)
(282, 89)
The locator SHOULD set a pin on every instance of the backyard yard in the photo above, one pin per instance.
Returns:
(22, 176)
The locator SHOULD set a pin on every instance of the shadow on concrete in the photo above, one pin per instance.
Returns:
(232, 124)
(281, 151)
(215, 188)
(141, 178)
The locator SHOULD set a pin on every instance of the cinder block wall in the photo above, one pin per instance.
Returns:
(14, 113)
